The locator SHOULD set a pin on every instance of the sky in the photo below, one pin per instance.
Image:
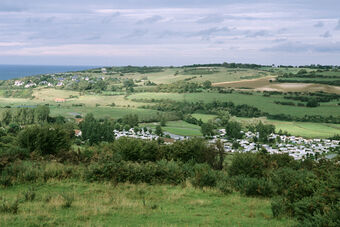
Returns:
(169, 32)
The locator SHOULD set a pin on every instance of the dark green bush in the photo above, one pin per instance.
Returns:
(329, 218)
(294, 184)
(253, 186)
(248, 164)
(29, 195)
(280, 208)
(196, 150)
(68, 200)
(224, 185)
(28, 171)
(45, 140)
(137, 150)
(5, 179)
(204, 176)
(167, 172)
(11, 207)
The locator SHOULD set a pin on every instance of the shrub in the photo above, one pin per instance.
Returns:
(68, 200)
(28, 171)
(253, 186)
(5, 179)
(279, 207)
(196, 150)
(224, 185)
(45, 140)
(167, 172)
(11, 207)
(294, 184)
(29, 195)
(248, 164)
(204, 176)
(137, 150)
(328, 218)
(11, 153)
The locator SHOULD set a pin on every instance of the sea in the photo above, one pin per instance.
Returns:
(8, 72)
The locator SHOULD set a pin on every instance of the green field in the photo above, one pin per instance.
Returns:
(204, 117)
(304, 129)
(265, 104)
(134, 205)
(221, 74)
(307, 129)
(102, 112)
(181, 128)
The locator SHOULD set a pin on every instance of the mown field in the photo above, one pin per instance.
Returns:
(181, 128)
(200, 74)
(304, 129)
(102, 112)
(105, 204)
(265, 104)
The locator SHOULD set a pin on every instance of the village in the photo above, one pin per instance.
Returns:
(297, 147)
(56, 80)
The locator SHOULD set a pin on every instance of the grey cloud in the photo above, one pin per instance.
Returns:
(288, 47)
(150, 20)
(298, 47)
(37, 20)
(211, 19)
(92, 38)
(280, 40)
(10, 6)
(257, 34)
(327, 34)
(338, 25)
(328, 48)
(137, 33)
(109, 19)
(320, 24)
(211, 31)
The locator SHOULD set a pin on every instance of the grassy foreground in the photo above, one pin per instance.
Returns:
(134, 205)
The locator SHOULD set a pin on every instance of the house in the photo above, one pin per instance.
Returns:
(18, 83)
(104, 70)
(30, 84)
(59, 84)
(77, 133)
(59, 100)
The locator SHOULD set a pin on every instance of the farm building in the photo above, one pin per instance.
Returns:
(59, 100)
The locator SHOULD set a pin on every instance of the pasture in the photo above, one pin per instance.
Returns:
(105, 204)
(181, 128)
(174, 74)
(102, 112)
(264, 84)
(265, 104)
(304, 129)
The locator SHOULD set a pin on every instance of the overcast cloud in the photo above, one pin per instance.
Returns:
(162, 32)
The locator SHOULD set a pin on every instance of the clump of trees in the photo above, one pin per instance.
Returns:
(26, 115)
(95, 131)
(45, 140)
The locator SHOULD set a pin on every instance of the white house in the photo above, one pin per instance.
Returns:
(18, 83)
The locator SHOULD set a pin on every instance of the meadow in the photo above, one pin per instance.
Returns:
(304, 129)
(106, 204)
(173, 74)
(265, 104)
(181, 128)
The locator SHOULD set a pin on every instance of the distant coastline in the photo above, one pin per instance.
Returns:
(8, 72)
